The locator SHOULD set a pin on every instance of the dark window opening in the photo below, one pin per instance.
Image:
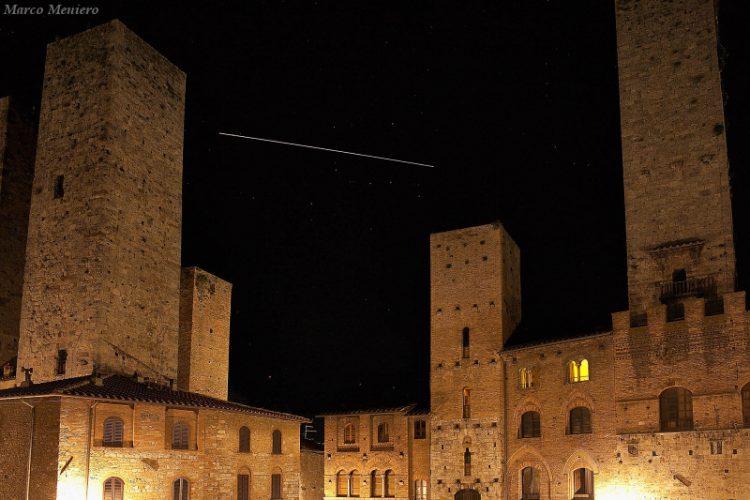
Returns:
(276, 442)
(275, 486)
(467, 463)
(583, 483)
(62, 359)
(383, 435)
(59, 186)
(420, 429)
(465, 343)
(244, 440)
(746, 405)
(714, 307)
(675, 312)
(676, 410)
(679, 275)
(580, 421)
(530, 488)
(243, 486)
(530, 425)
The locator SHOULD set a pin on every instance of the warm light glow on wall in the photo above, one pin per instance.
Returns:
(622, 492)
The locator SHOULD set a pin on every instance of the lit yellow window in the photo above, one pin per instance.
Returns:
(573, 371)
(583, 371)
(527, 378)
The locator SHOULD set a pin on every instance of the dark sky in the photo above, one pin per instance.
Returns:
(515, 102)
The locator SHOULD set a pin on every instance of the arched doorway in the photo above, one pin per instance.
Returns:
(467, 494)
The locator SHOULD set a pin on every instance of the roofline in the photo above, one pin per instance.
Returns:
(374, 411)
(554, 342)
(259, 411)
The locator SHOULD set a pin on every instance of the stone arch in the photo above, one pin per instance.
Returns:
(467, 494)
(580, 458)
(527, 404)
(527, 456)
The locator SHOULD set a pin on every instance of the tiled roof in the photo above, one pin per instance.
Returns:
(417, 410)
(118, 387)
(540, 343)
(397, 409)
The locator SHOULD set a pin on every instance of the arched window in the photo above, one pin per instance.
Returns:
(350, 434)
(114, 489)
(580, 421)
(113, 431)
(467, 462)
(354, 482)
(582, 483)
(376, 484)
(243, 486)
(467, 402)
(180, 436)
(676, 410)
(583, 370)
(420, 489)
(181, 489)
(244, 438)
(526, 378)
(530, 489)
(465, 343)
(530, 425)
(388, 486)
(342, 484)
(578, 371)
(276, 486)
(383, 436)
(276, 442)
(467, 494)
(746, 405)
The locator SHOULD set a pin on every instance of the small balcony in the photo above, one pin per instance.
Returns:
(700, 286)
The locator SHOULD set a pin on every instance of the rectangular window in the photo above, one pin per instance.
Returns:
(275, 486)
(716, 447)
(420, 429)
(62, 359)
(59, 186)
(243, 487)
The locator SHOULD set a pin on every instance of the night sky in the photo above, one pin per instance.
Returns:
(516, 103)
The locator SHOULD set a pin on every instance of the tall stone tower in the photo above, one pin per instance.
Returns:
(102, 277)
(475, 301)
(16, 173)
(677, 200)
(205, 310)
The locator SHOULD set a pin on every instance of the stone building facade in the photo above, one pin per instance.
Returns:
(381, 453)
(122, 358)
(658, 408)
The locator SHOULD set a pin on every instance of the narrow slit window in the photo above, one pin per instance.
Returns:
(62, 360)
(465, 343)
(59, 186)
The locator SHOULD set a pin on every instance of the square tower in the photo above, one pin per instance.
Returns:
(16, 173)
(205, 310)
(677, 202)
(475, 302)
(102, 276)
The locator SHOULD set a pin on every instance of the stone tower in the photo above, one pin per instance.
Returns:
(475, 301)
(16, 173)
(102, 276)
(677, 199)
(205, 310)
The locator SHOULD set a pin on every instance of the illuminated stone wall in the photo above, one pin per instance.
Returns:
(103, 256)
(205, 310)
(312, 474)
(16, 173)
(147, 464)
(407, 457)
(676, 175)
(475, 287)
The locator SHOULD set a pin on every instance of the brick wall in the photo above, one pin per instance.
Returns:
(205, 310)
(103, 257)
(312, 473)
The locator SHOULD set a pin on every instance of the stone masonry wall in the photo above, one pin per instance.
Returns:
(147, 464)
(17, 139)
(16, 441)
(312, 474)
(103, 256)
(675, 164)
(205, 310)
(472, 270)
